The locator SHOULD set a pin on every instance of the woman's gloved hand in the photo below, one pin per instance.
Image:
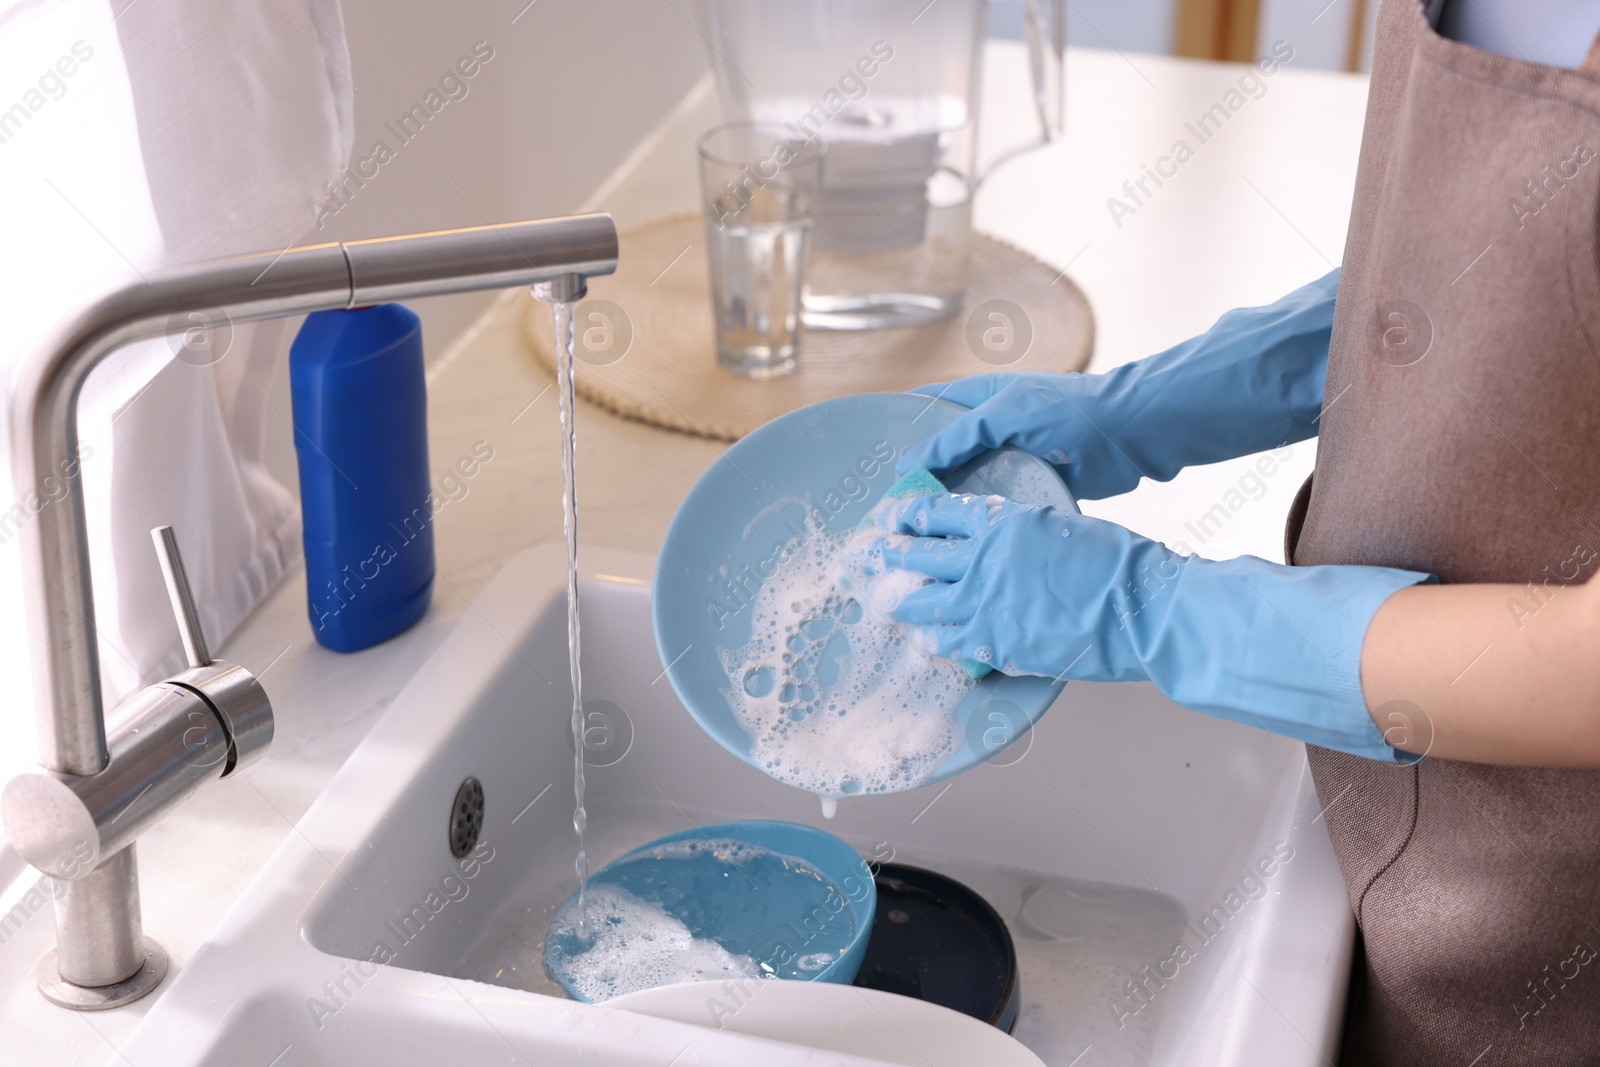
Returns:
(1250, 383)
(1039, 591)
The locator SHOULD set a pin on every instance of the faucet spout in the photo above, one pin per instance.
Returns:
(562, 289)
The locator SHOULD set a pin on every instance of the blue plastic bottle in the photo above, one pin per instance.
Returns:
(361, 434)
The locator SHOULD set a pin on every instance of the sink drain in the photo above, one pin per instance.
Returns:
(466, 817)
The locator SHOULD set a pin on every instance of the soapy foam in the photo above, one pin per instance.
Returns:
(722, 849)
(836, 698)
(631, 944)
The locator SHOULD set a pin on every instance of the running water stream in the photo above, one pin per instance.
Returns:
(569, 524)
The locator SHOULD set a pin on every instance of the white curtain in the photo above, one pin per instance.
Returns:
(135, 135)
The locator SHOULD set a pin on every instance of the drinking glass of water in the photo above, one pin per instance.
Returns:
(759, 188)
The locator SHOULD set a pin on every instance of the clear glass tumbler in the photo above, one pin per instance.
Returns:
(759, 189)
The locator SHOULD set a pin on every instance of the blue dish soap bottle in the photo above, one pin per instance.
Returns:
(361, 436)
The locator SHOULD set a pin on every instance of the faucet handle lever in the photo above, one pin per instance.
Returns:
(182, 597)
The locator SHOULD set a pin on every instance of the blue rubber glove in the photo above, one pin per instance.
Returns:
(1250, 383)
(1045, 592)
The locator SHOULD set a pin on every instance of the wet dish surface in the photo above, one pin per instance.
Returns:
(771, 502)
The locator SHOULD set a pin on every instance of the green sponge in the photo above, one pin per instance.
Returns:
(915, 482)
(919, 481)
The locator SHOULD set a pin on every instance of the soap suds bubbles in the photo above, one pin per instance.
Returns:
(721, 850)
(836, 697)
(633, 944)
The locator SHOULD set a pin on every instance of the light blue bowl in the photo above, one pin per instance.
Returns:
(840, 455)
(776, 914)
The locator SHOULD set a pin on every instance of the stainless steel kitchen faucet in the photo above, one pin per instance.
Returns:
(100, 787)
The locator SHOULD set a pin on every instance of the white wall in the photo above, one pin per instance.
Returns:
(573, 85)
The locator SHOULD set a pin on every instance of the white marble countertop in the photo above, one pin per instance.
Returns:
(1260, 208)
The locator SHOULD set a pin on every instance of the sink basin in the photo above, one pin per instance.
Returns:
(1166, 877)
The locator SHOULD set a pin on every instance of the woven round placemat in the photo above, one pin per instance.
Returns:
(655, 361)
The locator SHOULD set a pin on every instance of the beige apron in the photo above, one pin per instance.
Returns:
(1461, 436)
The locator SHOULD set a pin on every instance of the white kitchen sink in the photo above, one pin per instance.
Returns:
(1124, 827)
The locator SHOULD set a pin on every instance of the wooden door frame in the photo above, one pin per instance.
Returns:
(1216, 29)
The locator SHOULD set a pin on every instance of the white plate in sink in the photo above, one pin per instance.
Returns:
(836, 1018)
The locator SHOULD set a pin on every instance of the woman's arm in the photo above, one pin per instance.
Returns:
(1497, 673)
(1251, 382)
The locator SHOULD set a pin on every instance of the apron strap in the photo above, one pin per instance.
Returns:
(1296, 519)
(1591, 58)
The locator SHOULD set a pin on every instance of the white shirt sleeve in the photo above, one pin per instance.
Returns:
(1554, 32)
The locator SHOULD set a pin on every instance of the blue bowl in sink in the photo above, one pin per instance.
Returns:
(734, 901)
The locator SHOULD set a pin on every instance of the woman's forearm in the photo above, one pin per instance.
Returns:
(1488, 673)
